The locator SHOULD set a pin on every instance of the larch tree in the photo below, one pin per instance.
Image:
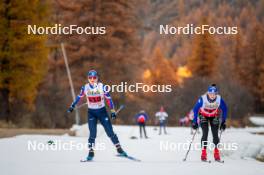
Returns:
(203, 59)
(237, 57)
(162, 70)
(118, 49)
(23, 57)
(252, 66)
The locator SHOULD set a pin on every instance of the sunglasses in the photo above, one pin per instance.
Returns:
(93, 77)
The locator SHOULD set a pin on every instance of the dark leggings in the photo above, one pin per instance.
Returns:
(142, 128)
(214, 123)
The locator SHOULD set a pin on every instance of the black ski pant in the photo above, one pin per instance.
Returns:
(142, 129)
(214, 123)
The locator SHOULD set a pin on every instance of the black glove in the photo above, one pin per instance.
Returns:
(113, 114)
(223, 126)
(194, 125)
(70, 109)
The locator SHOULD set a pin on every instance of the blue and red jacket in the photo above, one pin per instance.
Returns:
(96, 96)
(210, 111)
(141, 117)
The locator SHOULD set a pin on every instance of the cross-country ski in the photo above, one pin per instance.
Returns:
(128, 157)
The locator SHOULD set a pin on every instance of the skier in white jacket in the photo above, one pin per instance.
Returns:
(162, 116)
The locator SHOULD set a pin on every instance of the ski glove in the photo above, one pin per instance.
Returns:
(194, 125)
(113, 114)
(70, 109)
(223, 126)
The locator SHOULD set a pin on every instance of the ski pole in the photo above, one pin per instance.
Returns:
(78, 107)
(120, 108)
(221, 131)
(190, 145)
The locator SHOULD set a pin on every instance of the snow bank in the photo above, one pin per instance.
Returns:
(259, 121)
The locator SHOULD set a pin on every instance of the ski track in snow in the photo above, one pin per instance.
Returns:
(16, 159)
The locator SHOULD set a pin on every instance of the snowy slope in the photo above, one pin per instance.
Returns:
(16, 159)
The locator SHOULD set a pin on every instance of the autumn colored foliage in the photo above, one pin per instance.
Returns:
(34, 87)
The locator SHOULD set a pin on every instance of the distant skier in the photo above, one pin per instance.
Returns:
(184, 121)
(162, 118)
(96, 95)
(141, 119)
(208, 108)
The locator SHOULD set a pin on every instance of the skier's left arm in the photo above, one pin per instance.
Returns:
(223, 107)
(109, 102)
(196, 109)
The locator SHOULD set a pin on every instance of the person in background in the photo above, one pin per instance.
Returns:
(162, 116)
(141, 119)
(184, 121)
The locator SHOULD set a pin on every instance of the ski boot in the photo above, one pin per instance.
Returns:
(120, 151)
(90, 155)
(204, 155)
(216, 154)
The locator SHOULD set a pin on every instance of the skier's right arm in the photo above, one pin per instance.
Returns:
(77, 99)
(196, 109)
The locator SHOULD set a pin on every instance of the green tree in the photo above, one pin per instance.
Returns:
(22, 56)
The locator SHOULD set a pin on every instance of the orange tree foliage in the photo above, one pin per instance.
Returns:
(203, 60)
(22, 57)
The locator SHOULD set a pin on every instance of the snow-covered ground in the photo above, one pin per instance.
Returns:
(16, 159)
